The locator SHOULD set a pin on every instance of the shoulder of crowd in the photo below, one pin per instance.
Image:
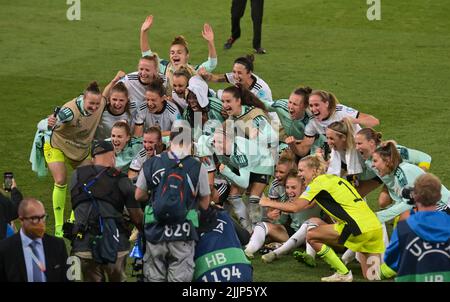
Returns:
(260, 82)
(283, 104)
(142, 153)
(142, 107)
(172, 108)
(133, 76)
(275, 183)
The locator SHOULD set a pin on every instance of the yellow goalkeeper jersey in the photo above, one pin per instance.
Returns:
(339, 199)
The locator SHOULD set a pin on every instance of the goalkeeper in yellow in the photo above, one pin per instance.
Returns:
(356, 227)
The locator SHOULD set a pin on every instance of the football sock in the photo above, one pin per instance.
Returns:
(294, 241)
(240, 210)
(59, 201)
(258, 238)
(330, 257)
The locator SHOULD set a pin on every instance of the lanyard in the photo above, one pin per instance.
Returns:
(175, 157)
(36, 260)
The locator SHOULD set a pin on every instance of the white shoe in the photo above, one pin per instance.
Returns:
(336, 277)
(249, 255)
(269, 257)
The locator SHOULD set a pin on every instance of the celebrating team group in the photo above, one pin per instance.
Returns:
(294, 171)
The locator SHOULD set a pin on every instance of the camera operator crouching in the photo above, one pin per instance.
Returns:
(100, 235)
(420, 246)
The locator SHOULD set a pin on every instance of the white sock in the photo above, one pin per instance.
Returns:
(348, 256)
(385, 239)
(258, 238)
(309, 249)
(295, 240)
(240, 210)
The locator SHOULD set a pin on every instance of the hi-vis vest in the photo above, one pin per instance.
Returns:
(74, 138)
(250, 115)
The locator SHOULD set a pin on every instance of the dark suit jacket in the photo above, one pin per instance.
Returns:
(12, 261)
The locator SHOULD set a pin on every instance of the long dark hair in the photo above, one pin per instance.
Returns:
(247, 98)
(246, 61)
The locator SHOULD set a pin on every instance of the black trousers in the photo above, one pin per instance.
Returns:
(237, 11)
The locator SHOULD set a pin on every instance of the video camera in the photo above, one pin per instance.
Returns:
(407, 193)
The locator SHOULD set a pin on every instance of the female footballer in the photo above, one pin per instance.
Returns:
(179, 53)
(357, 227)
(71, 131)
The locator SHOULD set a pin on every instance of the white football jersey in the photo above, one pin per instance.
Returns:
(138, 160)
(319, 127)
(259, 87)
(164, 119)
(136, 90)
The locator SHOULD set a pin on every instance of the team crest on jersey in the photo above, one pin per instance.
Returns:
(261, 94)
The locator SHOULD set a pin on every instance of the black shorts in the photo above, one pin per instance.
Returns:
(289, 230)
(260, 178)
(255, 177)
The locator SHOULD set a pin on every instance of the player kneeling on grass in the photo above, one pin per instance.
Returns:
(300, 223)
(357, 226)
(277, 226)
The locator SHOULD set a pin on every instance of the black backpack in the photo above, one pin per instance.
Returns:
(176, 192)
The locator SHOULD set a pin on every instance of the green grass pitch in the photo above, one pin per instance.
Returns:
(397, 68)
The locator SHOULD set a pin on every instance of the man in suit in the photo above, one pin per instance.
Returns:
(31, 255)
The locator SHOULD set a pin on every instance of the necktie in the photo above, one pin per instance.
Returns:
(37, 273)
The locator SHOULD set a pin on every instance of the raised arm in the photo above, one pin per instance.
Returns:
(144, 33)
(120, 74)
(10, 206)
(208, 35)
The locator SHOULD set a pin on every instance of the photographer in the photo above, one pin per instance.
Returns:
(100, 235)
(420, 246)
(8, 208)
